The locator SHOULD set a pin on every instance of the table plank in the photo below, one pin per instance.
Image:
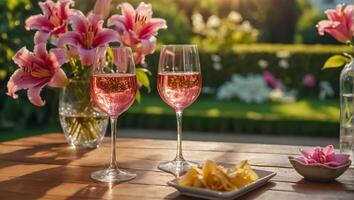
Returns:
(54, 138)
(45, 167)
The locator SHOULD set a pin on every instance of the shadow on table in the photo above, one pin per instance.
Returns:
(250, 195)
(98, 189)
(307, 187)
(38, 182)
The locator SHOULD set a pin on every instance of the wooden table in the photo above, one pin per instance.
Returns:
(44, 167)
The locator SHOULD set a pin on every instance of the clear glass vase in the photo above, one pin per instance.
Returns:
(347, 110)
(84, 125)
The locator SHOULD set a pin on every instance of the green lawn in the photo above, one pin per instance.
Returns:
(309, 109)
(305, 117)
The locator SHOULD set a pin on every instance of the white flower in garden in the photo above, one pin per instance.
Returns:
(283, 54)
(198, 23)
(217, 66)
(262, 63)
(213, 21)
(279, 95)
(251, 88)
(283, 64)
(235, 17)
(208, 90)
(246, 26)
(216, 62)
(215, 58)
(326, 90)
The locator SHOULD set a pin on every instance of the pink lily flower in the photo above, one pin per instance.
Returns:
(37, 70)
(340, 23)
(87, 35)
(53, 21)
(137, 29)
(324, 156)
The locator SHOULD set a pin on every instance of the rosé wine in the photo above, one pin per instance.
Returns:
(179, 89)
(113, 93)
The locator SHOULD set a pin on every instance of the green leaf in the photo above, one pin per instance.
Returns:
(138, 96)
(336, 61)
(143, 78)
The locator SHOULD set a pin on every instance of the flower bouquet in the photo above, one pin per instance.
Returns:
(65, 43)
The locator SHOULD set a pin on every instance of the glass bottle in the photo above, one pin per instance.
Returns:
(346, 140)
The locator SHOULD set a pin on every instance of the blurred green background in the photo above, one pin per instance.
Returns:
(234, 37)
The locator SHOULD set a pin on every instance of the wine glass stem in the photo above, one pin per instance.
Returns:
(113, 164)
(179, 156)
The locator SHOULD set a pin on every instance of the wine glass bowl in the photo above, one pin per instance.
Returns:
(113, 87)
(179, 83)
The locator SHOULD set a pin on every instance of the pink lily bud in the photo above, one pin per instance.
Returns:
(102, 7)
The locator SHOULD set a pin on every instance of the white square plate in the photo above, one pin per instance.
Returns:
(264, 177)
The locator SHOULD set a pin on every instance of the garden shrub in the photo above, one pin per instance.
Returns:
(244, 59)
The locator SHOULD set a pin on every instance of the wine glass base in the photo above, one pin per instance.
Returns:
(177, 167)
(112, 175)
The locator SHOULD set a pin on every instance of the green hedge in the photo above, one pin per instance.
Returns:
(243, 59)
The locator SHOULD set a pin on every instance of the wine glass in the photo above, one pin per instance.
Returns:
(113, 86)
(179, 83)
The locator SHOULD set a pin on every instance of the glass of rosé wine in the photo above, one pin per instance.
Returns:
(113, 86)
(179, 83)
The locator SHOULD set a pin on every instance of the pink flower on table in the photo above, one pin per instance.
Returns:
(53, 21)
(37, 70)
(87, 35)
(137, 29)
(340, 23)
(309, 80)
(324, 156)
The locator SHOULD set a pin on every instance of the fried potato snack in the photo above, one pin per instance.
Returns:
(216, 177)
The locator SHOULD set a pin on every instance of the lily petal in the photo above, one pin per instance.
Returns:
(64, 9)
(341, 158)
(20, 80)
(59, 29)
(306, 153)
(148, 46)
(59, 79)
(46, 7)
(151, 29)
(105, 36)
(96, 21)
(87, 56)
(79, 23)
(118, 22)
(39, 22)
(12, 86)
(60, 55)
(41, 51)
(23, 57)
(128, 13)
(70, 38)
(40, 37)
(144, 9)
(138, 58)
(33, 95)
(328, 150)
